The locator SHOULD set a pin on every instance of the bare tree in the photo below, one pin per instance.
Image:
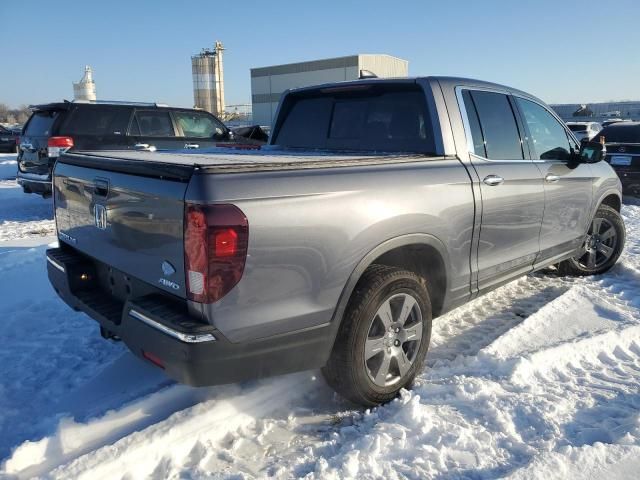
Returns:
(14, 115)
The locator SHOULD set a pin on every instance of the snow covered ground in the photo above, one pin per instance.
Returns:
(539, 379)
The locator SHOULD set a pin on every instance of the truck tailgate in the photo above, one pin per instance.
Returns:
(130, 221)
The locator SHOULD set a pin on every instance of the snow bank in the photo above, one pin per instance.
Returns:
(8, 166)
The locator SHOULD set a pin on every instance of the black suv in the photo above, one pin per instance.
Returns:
(623, 153)
(55, 128)
(8, 140)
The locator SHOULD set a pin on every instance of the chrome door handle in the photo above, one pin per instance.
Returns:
(551, 178)
(190, 146)
(493, 180)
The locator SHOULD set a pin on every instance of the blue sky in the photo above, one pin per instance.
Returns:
(560, 50)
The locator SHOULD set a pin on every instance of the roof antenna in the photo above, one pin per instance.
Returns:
(367, 74)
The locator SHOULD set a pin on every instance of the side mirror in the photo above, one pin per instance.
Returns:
(592, 152)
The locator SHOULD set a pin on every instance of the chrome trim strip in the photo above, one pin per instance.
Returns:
(55, 264)
(465, 120)
(34, 177)
(183, 337)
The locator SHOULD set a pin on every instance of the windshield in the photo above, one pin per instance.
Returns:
(618, 133)
(384, 118)
(577, 128)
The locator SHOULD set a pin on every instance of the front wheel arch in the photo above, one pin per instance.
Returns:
(611, 200)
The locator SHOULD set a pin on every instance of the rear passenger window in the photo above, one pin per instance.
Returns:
(498, 126)
(97, 121)
(41, 122)
(155, 124)
(550, 141)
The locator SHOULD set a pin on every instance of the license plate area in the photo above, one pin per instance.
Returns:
(120, 285)
(621, 160)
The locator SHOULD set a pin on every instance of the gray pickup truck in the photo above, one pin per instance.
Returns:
(378, 206)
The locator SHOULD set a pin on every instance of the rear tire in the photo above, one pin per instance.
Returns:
(602, 246)
(383, 338)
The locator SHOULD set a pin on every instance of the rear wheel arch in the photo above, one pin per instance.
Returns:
(422, 254)
(425, 261)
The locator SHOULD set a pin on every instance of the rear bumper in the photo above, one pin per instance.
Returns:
(32, 183)
(154, 326)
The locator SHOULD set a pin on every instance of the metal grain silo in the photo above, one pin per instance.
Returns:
(85, 89)
(208, 80)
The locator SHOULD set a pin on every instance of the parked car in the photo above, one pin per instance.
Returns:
(55, 128)
(584, 130)
(253, 133)
(379, 205)
(611, 121)
(9, 140)
(623, 153)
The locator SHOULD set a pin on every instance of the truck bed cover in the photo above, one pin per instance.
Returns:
(181, 164)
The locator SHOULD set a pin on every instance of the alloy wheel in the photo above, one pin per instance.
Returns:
(600, 244)
(393, 340)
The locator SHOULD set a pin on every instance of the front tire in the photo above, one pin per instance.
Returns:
(602, 246)
(383, 338)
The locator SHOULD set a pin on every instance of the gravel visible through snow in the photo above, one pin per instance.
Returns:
(538, 379)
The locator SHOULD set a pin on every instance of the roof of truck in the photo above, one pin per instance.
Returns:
(444, 81)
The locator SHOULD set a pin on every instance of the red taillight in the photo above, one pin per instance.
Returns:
(226, 243)
(17, 140)
(58, 145)
(215, 250)
(60, 142)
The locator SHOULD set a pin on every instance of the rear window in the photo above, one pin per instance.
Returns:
(97, 121)
(621, 133)
(41, 122)
(369, 118)
(577, 128)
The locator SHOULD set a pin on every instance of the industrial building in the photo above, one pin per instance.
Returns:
(598, 112)
(268, 83)
(208, 80)
(85, 89)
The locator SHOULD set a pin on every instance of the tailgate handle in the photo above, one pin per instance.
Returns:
(101, 187)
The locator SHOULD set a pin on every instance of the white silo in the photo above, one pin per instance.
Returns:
(85, 89)
(208, 80)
